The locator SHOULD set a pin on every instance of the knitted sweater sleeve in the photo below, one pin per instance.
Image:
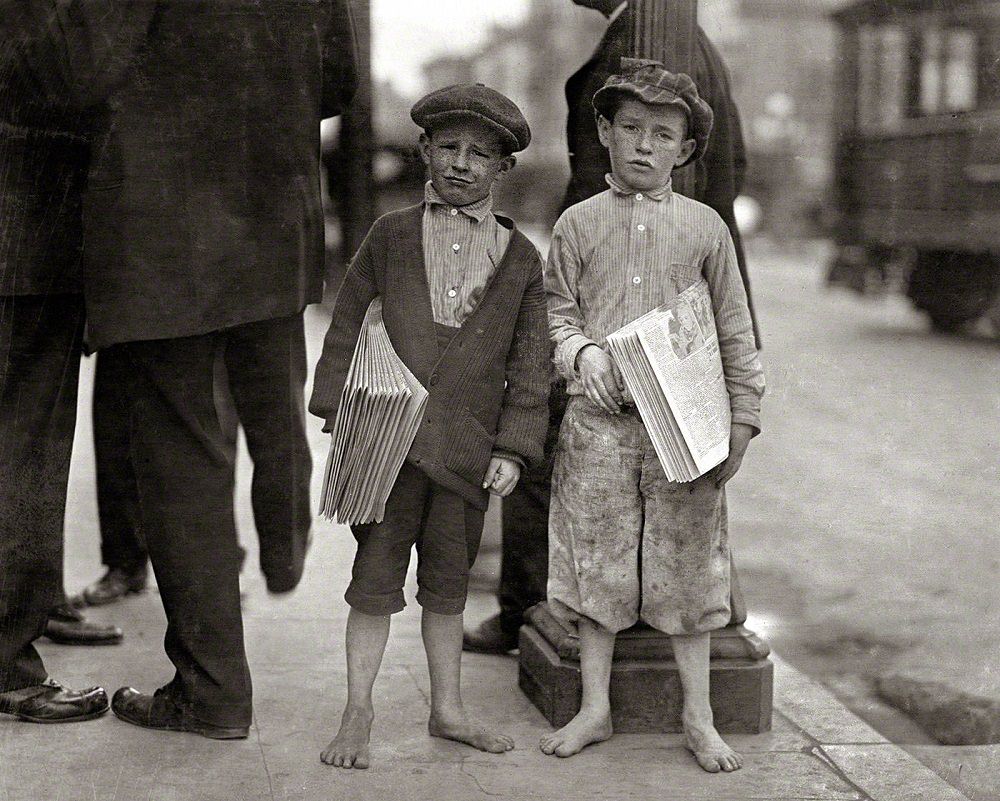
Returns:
(524, 414)
(356, 294)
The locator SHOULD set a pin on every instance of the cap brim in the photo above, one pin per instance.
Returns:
(507, 136)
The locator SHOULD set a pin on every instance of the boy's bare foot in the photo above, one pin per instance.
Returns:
(709, 748)
(349, 749)
(589, 726)
(458, 727)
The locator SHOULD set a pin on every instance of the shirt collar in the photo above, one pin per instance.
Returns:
(620, 189)
(478, 211)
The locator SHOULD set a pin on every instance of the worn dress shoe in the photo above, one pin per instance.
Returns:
(162, 711)
(114, 585)
(67, 626)
(50, 702)
(489, 637)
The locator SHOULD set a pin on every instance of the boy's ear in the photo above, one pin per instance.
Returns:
(425, 143)
(687, 148)
(506, 165)
(604, 130)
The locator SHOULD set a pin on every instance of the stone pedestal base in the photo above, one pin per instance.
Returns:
(645, 685)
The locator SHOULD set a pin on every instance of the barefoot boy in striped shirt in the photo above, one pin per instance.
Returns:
(626, 544)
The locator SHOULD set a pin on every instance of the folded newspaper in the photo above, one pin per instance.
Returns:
(670, 362)
(380, 410)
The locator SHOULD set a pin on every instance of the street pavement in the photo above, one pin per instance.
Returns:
(865, 526)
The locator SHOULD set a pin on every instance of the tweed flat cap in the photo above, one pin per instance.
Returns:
(651, 83)
(479, 102)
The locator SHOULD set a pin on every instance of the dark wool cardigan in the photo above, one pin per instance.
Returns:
(488, 388)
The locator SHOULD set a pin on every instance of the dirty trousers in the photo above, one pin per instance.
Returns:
(624, 542)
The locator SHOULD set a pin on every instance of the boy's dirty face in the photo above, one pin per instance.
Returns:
(645, 143)
(465, 157)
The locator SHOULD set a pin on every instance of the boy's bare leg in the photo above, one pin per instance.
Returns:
(442, 636)
(703, 740)
(592, 723)
(366, 639)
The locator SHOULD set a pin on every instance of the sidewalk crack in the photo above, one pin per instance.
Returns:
(263, 758)
(416, 683)
(820, 754)
(483, 790)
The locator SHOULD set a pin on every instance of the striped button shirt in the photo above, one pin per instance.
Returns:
(622, 253)
(462, 247)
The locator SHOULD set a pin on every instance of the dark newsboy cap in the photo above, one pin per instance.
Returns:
(649, 82)
(478, 102)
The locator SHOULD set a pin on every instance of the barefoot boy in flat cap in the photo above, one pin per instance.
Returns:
(464, 305)
(625, 543)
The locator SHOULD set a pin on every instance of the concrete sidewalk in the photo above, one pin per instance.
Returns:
(817, 749)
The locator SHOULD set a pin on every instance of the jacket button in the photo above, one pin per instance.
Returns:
(434, 380)
(416, 461)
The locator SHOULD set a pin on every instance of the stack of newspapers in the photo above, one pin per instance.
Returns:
(380, 411)
(670, 362)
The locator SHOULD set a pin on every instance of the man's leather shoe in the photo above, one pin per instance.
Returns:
(67, 626)
(162, 711)
(489, 637)
(50, 702)
(114, 585)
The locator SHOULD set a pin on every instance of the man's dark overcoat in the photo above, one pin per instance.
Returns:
(203, 209)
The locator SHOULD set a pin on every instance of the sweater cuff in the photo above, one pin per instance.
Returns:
(514, 457)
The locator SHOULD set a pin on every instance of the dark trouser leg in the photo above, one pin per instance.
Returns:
(122, 544)
(266, 362)
(184, 475)
(228, 421)
(524, 566)
(40, 338)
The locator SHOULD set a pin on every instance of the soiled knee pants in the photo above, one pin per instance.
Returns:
(183, 464)
(40, 340)
(624, 542)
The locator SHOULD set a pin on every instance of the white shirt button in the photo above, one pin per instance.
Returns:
(456, 247)
(638, 196)
(452, 293)
(453, 212)
(637, 280)
(640, 227)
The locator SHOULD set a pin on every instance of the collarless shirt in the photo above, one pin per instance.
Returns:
(462, 247)
(623, 253)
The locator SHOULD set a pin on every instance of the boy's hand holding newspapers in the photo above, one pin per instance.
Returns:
(600, 378)
(501, 476)
(739, 438)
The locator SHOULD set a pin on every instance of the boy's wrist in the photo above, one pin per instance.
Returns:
(584, 347)
(748, 419)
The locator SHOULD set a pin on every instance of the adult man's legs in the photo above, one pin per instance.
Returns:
(266, 364)
(123, 550)
(524, 559)
(184, 473)
(40, 338)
